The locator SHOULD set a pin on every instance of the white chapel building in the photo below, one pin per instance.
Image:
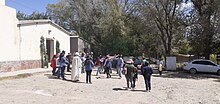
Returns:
(20, 40)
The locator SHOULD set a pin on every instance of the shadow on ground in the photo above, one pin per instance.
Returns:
(126, 89)
(67, 80)
(50, 76)
(186, 75)
(104, 77)
(16, 77)
(74, 81)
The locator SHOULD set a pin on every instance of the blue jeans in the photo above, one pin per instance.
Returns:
(119, 70)
(147, 82)
(60, 72)
(88, 76)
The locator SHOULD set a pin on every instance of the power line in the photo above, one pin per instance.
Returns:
(23, 5)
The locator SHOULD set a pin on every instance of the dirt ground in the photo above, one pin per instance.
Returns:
(170, 88)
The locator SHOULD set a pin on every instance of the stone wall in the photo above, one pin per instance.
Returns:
(8, 66)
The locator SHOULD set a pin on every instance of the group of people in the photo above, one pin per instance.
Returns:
(80, 63)
(105, 65)
(131, 73)
(128, 68)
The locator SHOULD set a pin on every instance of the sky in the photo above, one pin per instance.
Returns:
(29, 6)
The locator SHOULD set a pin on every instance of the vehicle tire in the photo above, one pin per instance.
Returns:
(218, 72)
(192, 71)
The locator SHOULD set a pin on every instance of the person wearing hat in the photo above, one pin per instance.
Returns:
(147, 72)
(129, 74)
(76, 67)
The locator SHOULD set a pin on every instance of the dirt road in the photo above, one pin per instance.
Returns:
(171, 88)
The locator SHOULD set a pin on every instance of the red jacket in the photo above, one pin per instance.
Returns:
(98, 62)
(53, 63)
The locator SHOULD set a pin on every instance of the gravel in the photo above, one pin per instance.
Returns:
(170, 88)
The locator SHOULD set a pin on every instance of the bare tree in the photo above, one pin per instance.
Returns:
(164, 13)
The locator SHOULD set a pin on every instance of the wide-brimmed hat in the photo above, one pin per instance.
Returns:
(130, 61)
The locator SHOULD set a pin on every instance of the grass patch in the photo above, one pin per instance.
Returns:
(16, 77)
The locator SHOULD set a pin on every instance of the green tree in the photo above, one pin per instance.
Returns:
(33, 16)
(21, 15)
(205, 30)
(44, 57)
(164, 14)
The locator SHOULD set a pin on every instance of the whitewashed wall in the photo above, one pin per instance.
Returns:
(30, 39)
(62, 37)
(9, 38)
(20, 42)
(2, 2)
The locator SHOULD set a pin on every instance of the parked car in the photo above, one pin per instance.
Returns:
(202, 65)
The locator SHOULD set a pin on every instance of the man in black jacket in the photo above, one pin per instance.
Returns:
(147, 72)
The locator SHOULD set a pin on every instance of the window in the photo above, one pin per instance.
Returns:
(196, 62)
(203, 63)
(210, 63)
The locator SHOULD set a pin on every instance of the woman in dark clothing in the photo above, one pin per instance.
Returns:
(88, 67)
(147, 72)
(135, 77)
(129, 74)
(107, 66)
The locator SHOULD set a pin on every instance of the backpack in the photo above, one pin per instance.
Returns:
(87, 62)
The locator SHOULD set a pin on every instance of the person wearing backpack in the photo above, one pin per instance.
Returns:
(88, 68)
(147, 72)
